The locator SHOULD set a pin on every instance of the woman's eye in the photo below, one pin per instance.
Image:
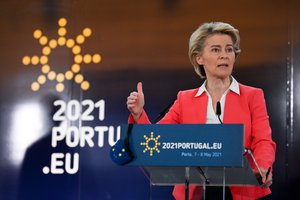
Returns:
(229, 50)
(215, 50)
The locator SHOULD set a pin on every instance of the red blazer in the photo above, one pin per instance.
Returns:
(248, 108)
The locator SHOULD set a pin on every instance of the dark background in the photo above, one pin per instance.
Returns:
(139, 41)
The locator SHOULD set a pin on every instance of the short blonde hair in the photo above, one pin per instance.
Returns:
(198, 38)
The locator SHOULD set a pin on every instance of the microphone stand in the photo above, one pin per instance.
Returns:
(219, 112)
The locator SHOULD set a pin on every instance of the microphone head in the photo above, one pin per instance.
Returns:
(218, 109)
(120, 154)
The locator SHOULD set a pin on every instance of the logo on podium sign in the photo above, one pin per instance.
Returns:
(151, 144)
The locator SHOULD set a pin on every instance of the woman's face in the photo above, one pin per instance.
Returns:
(218, 56)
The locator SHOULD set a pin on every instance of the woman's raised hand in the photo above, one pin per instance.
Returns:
(136, 102)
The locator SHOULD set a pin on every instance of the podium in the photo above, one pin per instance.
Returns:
(192, 154)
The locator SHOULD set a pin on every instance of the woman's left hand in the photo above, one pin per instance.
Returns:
(266, 179)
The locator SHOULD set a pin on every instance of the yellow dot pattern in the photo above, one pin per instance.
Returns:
(70, 43)
(45, 69)
(69, 75)
(37, 34)
(148, 146)
(49, 45)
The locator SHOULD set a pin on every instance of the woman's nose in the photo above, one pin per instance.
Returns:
(223, 54)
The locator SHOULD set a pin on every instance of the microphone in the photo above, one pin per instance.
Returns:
(219, 111)
(163, 113)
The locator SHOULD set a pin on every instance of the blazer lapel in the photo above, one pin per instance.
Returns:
(202, 101)
(231, 111)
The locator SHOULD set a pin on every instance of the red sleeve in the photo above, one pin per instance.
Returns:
(143, 119)
(262, 144)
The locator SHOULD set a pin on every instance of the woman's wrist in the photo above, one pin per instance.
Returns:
(137, 116)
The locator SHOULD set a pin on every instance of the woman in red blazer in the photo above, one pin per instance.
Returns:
(213, 49)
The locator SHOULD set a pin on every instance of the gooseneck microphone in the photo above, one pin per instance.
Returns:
(219, 111)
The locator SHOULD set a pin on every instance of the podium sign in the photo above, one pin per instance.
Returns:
(211, 145)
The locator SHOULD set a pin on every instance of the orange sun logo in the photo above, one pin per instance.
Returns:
(151, 144)
(49, 45)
